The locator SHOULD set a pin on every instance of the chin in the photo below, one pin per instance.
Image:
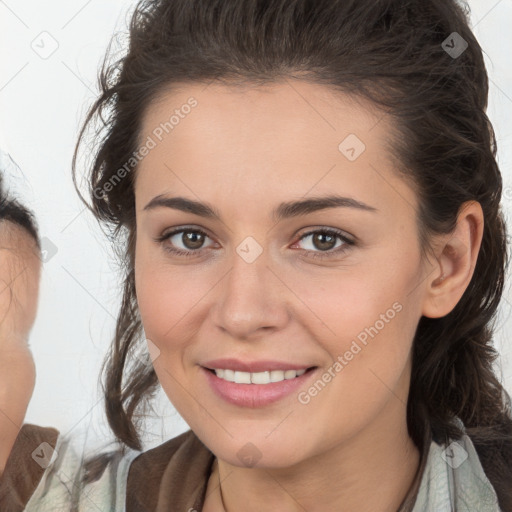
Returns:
(257, 451)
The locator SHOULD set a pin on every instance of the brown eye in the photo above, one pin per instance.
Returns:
(192, 239)
(183, 242)
(323, 243)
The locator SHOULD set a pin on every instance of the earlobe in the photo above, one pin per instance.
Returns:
(455, 263)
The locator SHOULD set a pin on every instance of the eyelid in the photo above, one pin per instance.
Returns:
(325, 229)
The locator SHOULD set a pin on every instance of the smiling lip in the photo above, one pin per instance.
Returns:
(252, 366)
(254, 395)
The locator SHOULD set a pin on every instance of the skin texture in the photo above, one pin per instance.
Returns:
(244, 151)
(19, 289)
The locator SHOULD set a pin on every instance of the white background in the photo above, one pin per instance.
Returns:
(43, 102)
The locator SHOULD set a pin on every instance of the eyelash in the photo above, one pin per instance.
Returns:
(313, 254)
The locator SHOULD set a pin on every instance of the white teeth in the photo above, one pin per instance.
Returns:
(242, 378)
(291, 374)
(229, 375)
(258, 377)
(276, 375)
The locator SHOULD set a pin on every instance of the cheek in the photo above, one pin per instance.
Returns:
(367, 332)
(166, 300)
(169, 303)
(365, 319)
(343, 303)
(160, 302)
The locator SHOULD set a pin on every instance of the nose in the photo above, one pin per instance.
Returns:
(251, 300)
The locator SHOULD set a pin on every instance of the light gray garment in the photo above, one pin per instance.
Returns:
(454, 480)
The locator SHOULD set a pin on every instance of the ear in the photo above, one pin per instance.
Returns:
(456, 257)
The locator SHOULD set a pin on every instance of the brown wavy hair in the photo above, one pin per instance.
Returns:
(389, 52)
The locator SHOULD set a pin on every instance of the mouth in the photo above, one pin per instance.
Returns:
(257, 389)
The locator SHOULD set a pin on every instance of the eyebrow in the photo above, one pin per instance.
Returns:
(285, 210)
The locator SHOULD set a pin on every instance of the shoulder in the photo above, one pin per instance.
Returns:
(46, 473)
(454, 479)
(49, 472)
(27, 462)
(66, 484)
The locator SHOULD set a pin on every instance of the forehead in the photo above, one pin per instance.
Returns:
(292, 136)
(288, 112)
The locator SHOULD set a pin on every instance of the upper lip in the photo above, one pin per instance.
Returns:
(252, 366)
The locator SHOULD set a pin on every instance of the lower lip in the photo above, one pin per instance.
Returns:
(255, 395)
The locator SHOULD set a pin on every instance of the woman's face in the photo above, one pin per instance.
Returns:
(264, 285)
